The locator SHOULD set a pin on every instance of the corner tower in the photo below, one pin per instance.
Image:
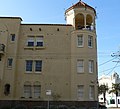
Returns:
(83, 53)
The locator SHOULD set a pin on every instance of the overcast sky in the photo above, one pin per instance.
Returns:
(52, 11)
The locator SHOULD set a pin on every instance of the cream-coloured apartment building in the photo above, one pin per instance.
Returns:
(55, 61)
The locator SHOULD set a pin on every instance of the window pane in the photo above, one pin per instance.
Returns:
(91, 66)
(91, 93)
(12, 37)
(39, 41)
(80, 66)
(27, 91)
(30, 41)
(10, 60)
(37, 90)
(29, 65)
(90, 41)
(80, 40)
(80, 92)
(38, 66)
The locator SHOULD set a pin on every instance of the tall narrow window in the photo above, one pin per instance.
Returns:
(39, 41)
(90, 41)
(10, 61)
(37, 89)
(80, 66)
(7, 89)
(91, 66)
(80, 92)
(38, 65)
(12, 37)
(27, 91)
(30, 41)
(80, 40)
(91, 92)
(29, 64)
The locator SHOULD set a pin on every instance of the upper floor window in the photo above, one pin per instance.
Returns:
(80, 92)
(12, 37)
(91, 66)
(38, 66)
(80, 66)
(30, 41)
(10, 61)
(90, 41)
(29, 64)
(34, 65)
(39, 41)
(35, 41)
(80, 40)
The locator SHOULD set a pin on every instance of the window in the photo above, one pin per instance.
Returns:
(7, 89)
(112, 101)
(10, 61)
(80, 66)
(35, 41)
(27, 91)
(39, 41)
(33, 66)
(91, 66)
(38, 66)
(91, 92)
(29, 64)
(80, 92)
(12, 37)
(37, 89)
(90, 41)
(80, 40)
(30, 42)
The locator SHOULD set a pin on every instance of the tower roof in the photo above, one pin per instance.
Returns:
(79, 5)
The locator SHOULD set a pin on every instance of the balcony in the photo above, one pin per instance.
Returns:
(2, 49)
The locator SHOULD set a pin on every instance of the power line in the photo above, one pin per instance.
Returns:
(112, 68)
(106, 62)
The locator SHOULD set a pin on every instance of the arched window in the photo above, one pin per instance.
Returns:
(79, 21)
(89, 22)
(37, 89)
(27, 89)
(7, 89)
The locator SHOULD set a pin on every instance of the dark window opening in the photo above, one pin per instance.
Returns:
(7, 89)
(112, 101)
(12, 37)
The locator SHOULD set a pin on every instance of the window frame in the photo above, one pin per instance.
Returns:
(80, 66)
(12, 37)
(80, 40)
(91, 92)
(90, 41)
(30, 41)
(27, 91)
(91, 66)
(80, 92)
(29, 65)
(40, 66)
(9, 62)
(39, 39)
(37, 93)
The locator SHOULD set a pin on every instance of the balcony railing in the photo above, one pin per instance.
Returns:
(2, 48)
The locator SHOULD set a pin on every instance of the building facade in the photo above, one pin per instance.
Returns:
(57, 58)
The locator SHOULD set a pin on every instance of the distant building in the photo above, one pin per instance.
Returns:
(108, 81)
(55, 59)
